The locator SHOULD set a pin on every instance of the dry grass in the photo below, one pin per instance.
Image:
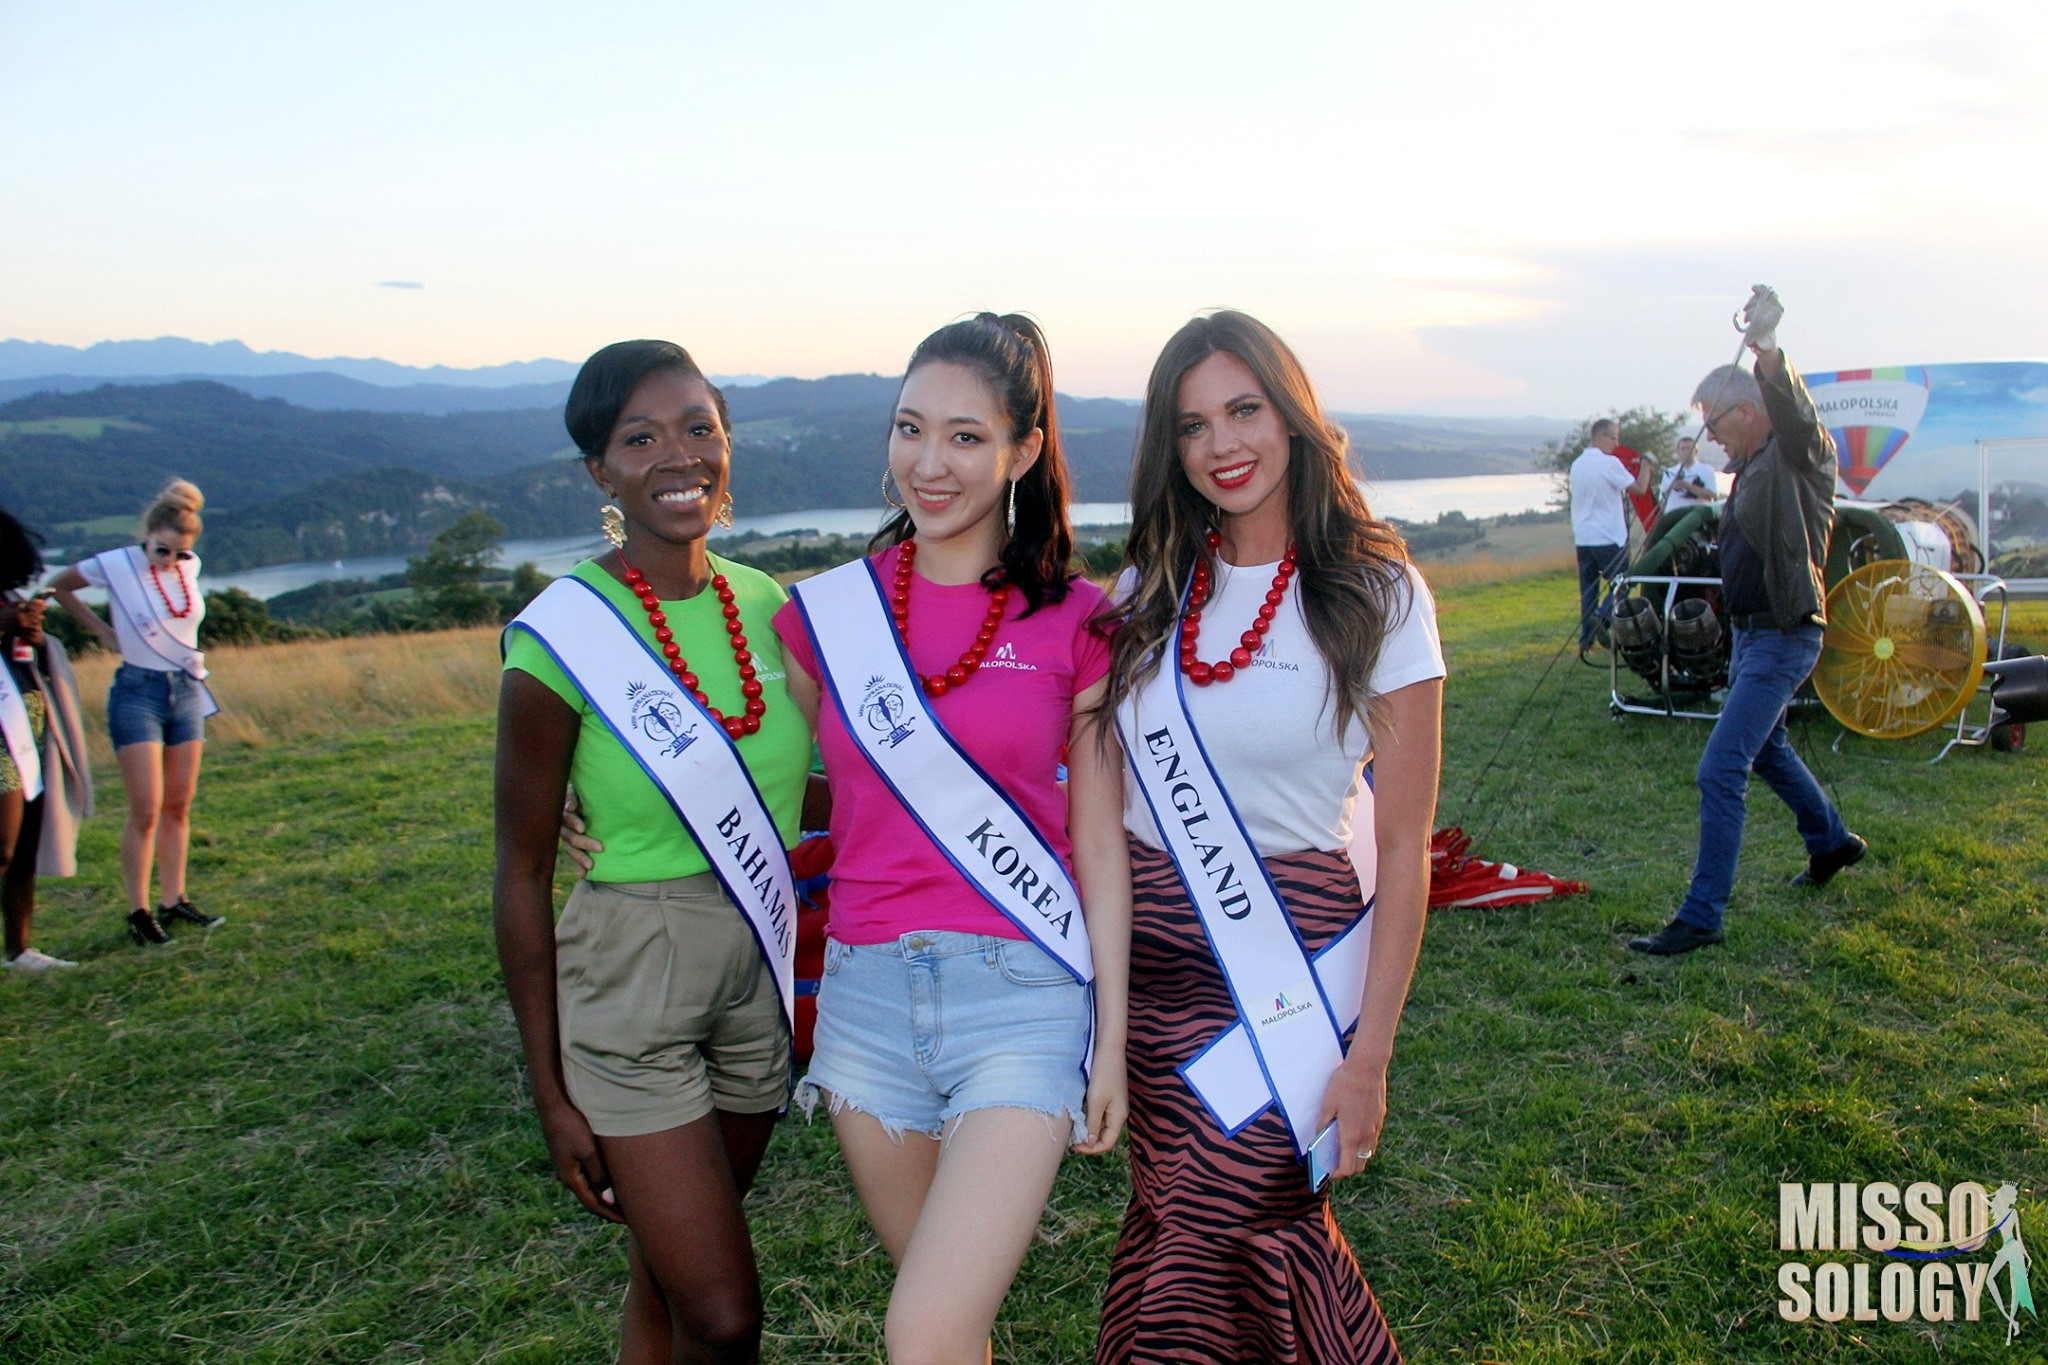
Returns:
(277, 692)
(1484, 568)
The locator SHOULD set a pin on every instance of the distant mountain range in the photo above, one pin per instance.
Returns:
(168, 356)
(326, 465)
(336, 382)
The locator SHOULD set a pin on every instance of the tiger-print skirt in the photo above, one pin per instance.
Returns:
(1225, 1255)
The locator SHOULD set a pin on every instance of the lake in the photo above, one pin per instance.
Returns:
(1484, 495)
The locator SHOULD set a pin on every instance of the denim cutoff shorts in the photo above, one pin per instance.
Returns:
(148, 706)
(918, 1031)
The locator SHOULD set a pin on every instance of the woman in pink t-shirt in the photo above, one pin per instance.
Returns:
(951, 1048)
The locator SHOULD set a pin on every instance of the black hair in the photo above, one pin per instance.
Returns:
(608, 379)
(21, 563)
(1010, 355)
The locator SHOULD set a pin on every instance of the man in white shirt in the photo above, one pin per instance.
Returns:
(1690, 482)
(1600, 520)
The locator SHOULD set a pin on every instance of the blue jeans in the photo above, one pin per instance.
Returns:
(1765, 667)
(932, 1025)
(1595, 563)
(146, 706)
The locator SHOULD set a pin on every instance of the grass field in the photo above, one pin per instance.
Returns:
(82, 428)
(304, 1137)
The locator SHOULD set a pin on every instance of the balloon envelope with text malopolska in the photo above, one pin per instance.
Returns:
(1913, 430)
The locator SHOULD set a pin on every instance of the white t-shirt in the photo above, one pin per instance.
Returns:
(180, 584)
(1598, 481)
(1676, 494)
(1271, 731)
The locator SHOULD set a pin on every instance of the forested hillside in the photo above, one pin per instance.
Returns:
(286, 482)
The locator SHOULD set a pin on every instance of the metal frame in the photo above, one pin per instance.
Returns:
(1619, 705)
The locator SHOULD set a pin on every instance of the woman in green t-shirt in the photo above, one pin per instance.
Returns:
(652, 1024)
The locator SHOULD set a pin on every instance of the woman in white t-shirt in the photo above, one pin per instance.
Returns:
(157, 709)
(1307, 644)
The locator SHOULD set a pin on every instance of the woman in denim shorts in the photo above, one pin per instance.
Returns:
(953, 1052)
(156, 712)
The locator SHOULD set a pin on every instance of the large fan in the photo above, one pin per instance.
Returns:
(1904, 651)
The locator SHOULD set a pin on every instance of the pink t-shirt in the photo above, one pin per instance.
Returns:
(1012, 717)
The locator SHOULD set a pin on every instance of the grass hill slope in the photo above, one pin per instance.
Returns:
(304, 1136)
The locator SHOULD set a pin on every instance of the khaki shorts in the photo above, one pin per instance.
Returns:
(666, 1008)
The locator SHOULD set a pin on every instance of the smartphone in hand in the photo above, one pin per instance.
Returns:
(1322, 1157)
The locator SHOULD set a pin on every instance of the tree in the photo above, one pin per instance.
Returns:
(1649, 430)
(527, 583)
(235, 617)
(448, 578)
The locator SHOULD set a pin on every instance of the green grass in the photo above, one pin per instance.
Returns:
(79, 428)
(304, 1137)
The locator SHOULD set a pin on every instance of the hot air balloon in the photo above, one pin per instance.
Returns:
(1870, 413)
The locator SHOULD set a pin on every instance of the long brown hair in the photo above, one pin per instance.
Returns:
(1351, 564)
(1010, 355)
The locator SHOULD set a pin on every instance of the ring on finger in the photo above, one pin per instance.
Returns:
(1365, 1153)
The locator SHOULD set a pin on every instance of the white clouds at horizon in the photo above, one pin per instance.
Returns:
(1480, 208)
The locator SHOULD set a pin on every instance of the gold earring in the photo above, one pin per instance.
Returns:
(724, 517)
(613, 521)
(889, 496)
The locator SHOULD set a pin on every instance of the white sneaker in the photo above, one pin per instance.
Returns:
(33, 961)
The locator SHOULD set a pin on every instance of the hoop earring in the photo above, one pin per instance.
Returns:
(888, 486)
(724, 517)
(1013, 507)
(613, 522)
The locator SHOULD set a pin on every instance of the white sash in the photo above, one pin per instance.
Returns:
(1293, 1010)
(20, 735)
(686, 753)
(129, 596)
(967, 816)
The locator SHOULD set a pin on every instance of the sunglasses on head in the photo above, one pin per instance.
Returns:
(166, 552)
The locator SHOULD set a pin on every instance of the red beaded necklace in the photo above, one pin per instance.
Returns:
(1223, 670)
(184, 590)
(750, 688)
(970, 661)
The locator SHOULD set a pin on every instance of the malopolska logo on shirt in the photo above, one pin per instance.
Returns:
(1268, 657)
(1006, 657)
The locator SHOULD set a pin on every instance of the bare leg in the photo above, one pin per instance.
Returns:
(174, 818)
(891, 1175)
(695, 1293)
(12, 809)
(142, 777)
(995, 1170)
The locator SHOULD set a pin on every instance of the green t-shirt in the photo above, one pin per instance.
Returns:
(643, 841)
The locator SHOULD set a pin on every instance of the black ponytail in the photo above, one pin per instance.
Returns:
(1012, 358)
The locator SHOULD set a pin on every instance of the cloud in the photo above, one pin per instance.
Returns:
(400, 284)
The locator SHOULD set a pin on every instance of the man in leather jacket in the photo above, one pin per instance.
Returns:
(1774, 548)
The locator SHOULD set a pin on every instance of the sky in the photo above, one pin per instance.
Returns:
(1460, 207)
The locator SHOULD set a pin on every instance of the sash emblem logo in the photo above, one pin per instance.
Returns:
(883, 708)
(658, 714)
(1297, 998)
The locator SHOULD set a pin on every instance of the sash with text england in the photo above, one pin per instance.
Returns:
(126, 592)
(968, 817)
(692, 762)
(1293, 1008)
